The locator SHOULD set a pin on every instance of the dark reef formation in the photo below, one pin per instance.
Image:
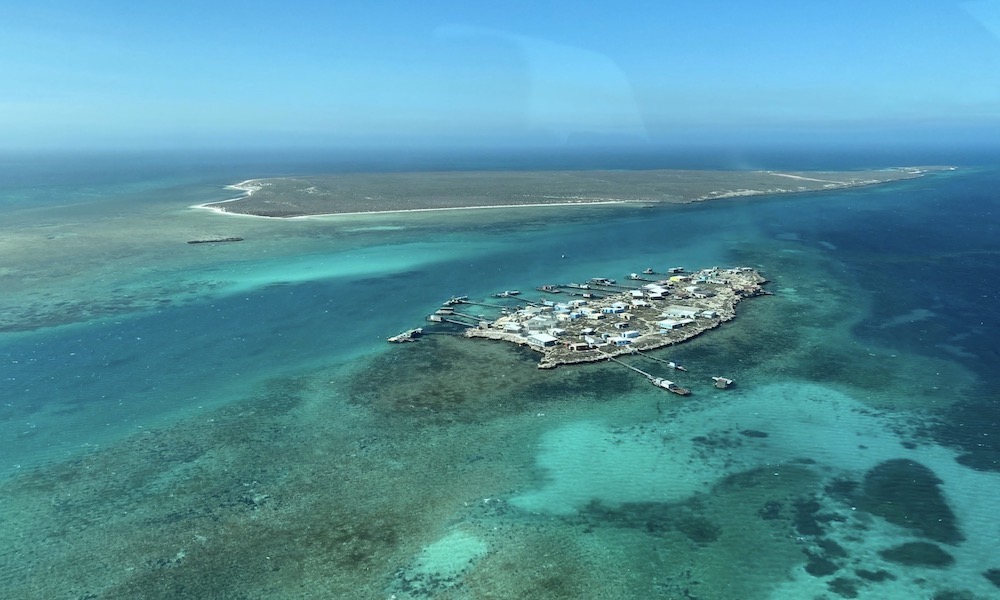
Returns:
(906, 493)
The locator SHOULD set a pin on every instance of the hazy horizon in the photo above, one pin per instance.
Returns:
(113, 76)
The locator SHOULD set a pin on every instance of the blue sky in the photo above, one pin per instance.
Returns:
(296, 73)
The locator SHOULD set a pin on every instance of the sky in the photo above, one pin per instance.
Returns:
(117, 74)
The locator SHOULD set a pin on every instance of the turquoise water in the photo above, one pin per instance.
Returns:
(227, 421)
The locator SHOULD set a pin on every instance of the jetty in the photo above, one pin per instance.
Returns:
(669, 363)
(659, 382)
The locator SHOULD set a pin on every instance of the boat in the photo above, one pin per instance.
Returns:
(722, 382)
(216, 240)
(674, 365)
(551, 289)
(409, 335)
(647, 271)
(456, 300)
(670, 386)
(506, 293)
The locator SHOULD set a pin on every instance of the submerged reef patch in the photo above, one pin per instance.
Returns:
(918, 554)
(655, 518)
(906, 493)
(993, 576)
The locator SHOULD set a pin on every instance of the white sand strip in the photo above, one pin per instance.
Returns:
(208, 206)
(801, 178)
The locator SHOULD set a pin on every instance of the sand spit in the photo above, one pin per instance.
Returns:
(380, 193)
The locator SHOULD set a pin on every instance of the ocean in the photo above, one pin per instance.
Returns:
(227, 421)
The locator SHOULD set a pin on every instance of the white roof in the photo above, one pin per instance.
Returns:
(542, 337)
(681, 309)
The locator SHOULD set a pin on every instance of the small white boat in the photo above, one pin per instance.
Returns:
(407, 336)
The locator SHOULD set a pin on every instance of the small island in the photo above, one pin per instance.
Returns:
(375, 193)
(601, 319)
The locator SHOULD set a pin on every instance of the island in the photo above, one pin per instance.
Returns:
(602, 318)
(370, 193)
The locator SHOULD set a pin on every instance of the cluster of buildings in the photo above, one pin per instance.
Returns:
(643, 314)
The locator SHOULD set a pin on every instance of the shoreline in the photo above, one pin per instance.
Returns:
(849, 180)
(413, 210)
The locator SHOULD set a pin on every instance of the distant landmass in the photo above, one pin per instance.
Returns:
(287, 197)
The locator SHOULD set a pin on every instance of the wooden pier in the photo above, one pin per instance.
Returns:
(628, 366)
(439, 318)
(483, 304)
(454, 322)
(588, 293)
(659, 382)
(475, 318)
(669, 363)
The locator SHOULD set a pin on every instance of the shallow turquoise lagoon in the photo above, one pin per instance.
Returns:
(227, 421)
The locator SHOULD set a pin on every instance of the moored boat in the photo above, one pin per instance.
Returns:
(410, 335)
(670, 386)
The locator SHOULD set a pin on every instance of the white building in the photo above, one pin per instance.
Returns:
(685, 312)
(614, 309)
(542, 340)
(668, 324)
(540, 323)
